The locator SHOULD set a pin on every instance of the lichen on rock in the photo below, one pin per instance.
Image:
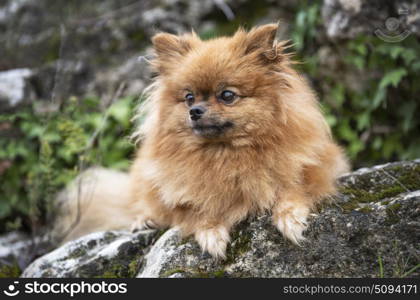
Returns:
(102, 254)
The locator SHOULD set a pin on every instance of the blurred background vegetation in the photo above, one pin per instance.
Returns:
(81, 96)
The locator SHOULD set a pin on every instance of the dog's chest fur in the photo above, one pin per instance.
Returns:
(214, 179)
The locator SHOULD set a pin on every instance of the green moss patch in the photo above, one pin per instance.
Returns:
(10, 271)
(240, 244)
(173, 271)
(121, 269)
(392, 213)
(77, 253)
(381, 184)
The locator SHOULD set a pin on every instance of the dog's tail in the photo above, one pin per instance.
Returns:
(97, 200)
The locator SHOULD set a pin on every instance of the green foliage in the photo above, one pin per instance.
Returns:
(305, 25)
(372, 101)
(47, 150)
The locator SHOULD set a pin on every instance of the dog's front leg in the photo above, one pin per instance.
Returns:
(141, 222)
(290, 213)
(214, 239)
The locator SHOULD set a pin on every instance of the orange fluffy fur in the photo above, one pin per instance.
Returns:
(268, 150)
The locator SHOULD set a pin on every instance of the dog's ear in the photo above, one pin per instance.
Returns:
(169, 45)
(260, 44)
(169, 48)
(261, 38)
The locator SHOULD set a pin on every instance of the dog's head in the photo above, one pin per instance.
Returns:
(222, 89)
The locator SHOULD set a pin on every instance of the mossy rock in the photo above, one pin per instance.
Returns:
(367, 186)
(116, 254)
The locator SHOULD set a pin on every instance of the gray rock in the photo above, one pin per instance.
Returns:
(18, 250)
(61, 79)
(55, 81)
(12, 246)
(72, 44)
(102, 254)
(15, 88)
(130, 78)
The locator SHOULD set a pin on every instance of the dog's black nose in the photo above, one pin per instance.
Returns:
(196, 112)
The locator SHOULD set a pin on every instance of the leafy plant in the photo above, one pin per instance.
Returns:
(47, 150)
(371, 102)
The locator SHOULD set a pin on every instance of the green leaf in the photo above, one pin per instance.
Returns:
(338, 93)
(392, 78)
(345, 131)
(331, 120)
(396, 51)
(416, 66)
(355, 147)
(377, 143)
(406, 111)
(4, 208)
(121, 111)
(360, 48)
(363, 120)
(409, 55)
(379, 97)
(359, 62)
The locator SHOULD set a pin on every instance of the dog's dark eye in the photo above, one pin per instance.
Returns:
(227, 96)
(189, 98)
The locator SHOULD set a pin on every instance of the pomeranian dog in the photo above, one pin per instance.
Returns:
(230, 130)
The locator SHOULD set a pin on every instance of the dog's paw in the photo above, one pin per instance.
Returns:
(142, 223)
(214, 241)
(292, 222)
